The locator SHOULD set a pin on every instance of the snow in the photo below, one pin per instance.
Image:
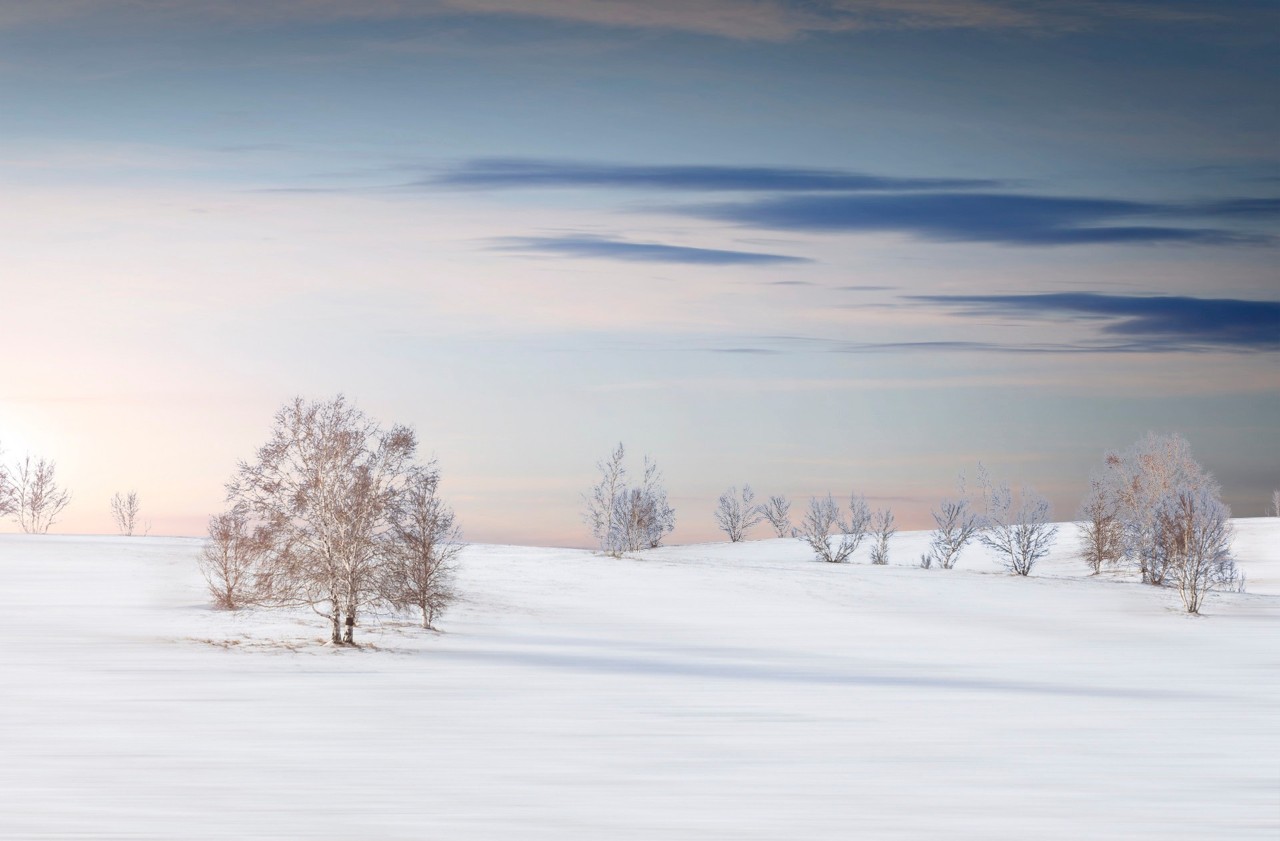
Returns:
(713, 691)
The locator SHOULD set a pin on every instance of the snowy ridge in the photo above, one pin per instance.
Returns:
(707, 691)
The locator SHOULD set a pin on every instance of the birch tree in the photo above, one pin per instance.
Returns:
(1136, 480)
(426, 542)
(882, 528)
(957, 523)
(126, 511)
(325, 485)
(1020, 533)
(232, 559)
(8, 493)
(777, 510)
(736, 514)
(822, 519)
(626, 518)
(1193, 539)
(39, 497)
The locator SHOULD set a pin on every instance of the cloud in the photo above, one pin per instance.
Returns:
(743, 20)
(511, 173)
(606, 248)
(1004, 218)
(1153, 322)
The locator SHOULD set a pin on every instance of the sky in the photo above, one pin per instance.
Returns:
(825, 246)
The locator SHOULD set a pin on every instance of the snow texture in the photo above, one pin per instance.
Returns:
(721, 691)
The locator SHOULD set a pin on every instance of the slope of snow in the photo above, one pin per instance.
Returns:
(713, 691)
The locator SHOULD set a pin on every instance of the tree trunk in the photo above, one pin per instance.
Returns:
(336, 617)
(349, 635)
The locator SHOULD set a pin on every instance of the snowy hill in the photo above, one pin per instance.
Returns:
(713, 691)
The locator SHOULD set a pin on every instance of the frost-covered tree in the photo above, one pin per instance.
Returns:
(737, 513)
(39, 497)
(1275, 503)
(1020, 534)
(424, 546)
(859, 522)
(777, 510)
(1193, 542)
(624, 518)
(126, 511)
(882, 528)
(232, 559)
(325, 486)
(1134, 482)
(957, 524)
(821, 520)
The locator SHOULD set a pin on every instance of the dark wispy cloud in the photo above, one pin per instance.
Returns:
(1004, 218)
(1154, 322)
(606, 248)
(511, 173)
(746, 20)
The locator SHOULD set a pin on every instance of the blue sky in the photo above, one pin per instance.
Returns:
(815, 246)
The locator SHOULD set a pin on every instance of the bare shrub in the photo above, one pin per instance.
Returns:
(882, 528)
(1021, 535)
(737, 513)
(126, 510)
(627, 519)
(820, 521)
(425, 543)
(39, 497)
(957, 524)
(325, 486)
(232, 558)
(777, 510)
(1193, 540)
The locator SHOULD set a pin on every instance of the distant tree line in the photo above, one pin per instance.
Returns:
(1151, 508)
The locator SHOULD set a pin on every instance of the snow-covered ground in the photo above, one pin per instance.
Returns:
(714, 691)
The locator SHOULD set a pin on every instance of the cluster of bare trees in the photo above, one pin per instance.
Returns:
(333, 514)
(627, 517)
(1153, 508)
(31, 495)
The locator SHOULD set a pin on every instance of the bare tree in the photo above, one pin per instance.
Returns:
(1193, 537)
(325, 485)
(125, 510)
(859, 520)
(603, 499)
(1101, 533)
(957, 524)
(39, 497)
(737, 514)
(8, 493)
(426, 542)
(882, 528)
(777, 510)
(232, 559)
(816, 527)
(1021, 535)
(1275, 503)
(627, 519)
